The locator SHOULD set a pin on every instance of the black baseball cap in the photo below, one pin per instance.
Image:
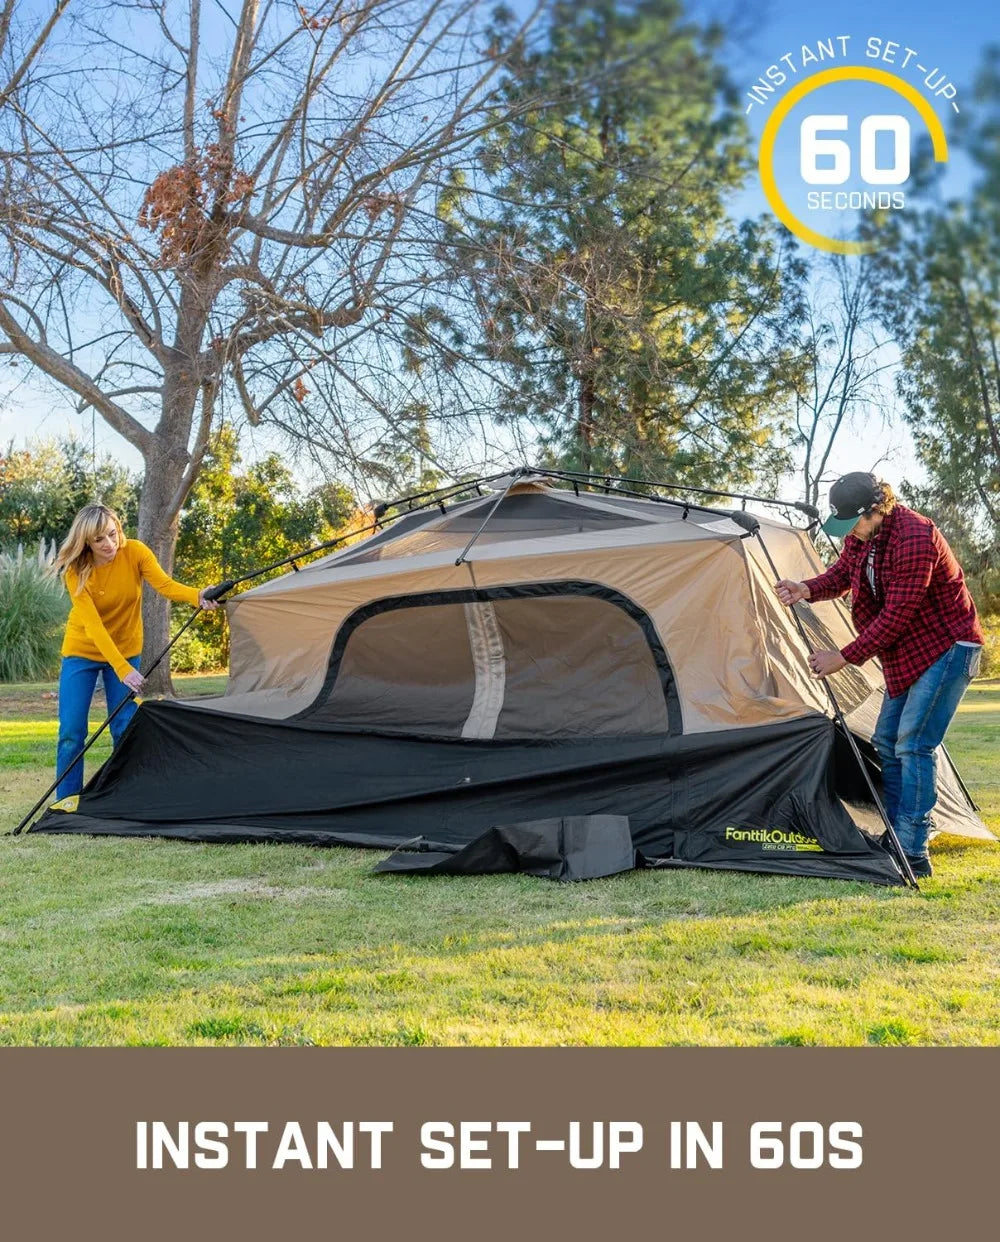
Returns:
(852, 496)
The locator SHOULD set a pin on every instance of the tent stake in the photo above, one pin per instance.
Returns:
(897, 849)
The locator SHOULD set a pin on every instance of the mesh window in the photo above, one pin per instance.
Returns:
(409, 670)
(576, 667)
(542, 666)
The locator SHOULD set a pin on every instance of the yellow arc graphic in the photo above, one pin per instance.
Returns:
(845, 73)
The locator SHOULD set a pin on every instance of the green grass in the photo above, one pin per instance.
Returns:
(108, 941)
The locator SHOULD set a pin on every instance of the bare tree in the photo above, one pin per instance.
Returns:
(205, 203)
(846, 357)
(20, 54)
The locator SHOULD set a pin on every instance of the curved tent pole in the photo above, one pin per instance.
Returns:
(750, 524)
(687, 505)
(438, 497)
(810, 511)
(452, 489)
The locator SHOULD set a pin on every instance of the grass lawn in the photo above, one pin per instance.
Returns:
(110, 941)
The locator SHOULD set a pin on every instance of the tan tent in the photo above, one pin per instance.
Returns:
(534, 653)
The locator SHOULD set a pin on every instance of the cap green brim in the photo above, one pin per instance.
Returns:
(840, 526)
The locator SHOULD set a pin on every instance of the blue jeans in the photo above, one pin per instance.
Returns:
(77, 683)
(910, 729)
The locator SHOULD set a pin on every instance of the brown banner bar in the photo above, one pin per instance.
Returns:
(497, 1143)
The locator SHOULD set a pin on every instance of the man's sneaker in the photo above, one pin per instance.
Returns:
(921, 867)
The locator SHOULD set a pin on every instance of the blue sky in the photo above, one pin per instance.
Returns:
(947, 38)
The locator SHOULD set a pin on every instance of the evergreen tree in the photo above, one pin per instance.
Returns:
(647, 331)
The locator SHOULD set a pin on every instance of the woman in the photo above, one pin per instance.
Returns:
(104, 573)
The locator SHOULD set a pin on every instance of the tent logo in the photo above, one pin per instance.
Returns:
(773, 839)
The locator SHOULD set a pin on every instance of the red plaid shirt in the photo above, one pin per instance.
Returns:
(920, 606)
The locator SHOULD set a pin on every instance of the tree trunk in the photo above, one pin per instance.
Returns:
(586, 401)
(159, 513)
(167, 479)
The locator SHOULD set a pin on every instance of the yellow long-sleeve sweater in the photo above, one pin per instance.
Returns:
(105, 622)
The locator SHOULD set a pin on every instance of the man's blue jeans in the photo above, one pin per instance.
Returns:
(77, 683)
(910, 728)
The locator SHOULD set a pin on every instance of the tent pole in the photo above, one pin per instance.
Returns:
(381, 520)
(897, 849)
(518, 474)
(76, 758)
(570, 475)
(214, 593)
(686, 505)
(958, 776)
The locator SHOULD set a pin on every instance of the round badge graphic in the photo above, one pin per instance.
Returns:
(814, 146)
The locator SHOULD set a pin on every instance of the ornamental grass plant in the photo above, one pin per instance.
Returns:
(33, 610)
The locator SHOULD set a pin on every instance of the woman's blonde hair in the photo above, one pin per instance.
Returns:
(76, 553)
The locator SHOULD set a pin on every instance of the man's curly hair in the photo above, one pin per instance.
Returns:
(888, 502)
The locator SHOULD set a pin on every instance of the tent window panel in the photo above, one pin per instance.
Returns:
(576, 667)
(505, 662)
(409, 669)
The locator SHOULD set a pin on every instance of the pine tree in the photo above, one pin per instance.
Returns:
(645, 330)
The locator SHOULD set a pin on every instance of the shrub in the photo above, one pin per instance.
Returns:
(33, 610)
(193, 655)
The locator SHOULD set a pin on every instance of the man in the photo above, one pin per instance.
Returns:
(912, 609)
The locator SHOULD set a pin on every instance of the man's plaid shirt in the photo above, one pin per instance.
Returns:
(920, 606)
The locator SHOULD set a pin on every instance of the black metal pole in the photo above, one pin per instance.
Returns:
(69, 767)
(212, 593)
(438, 497)
(686, 505)
(897, 849)
(809, 510)
(518, 474)
(450, 488)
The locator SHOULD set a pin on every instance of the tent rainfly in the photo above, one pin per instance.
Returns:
(552, 679)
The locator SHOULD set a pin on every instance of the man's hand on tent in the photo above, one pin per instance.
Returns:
(791, 592)
(823, 663)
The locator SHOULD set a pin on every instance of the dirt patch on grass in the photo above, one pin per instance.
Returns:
(236, 888)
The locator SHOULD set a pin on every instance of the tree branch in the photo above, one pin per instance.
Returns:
(32, 52)
(72, 377)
